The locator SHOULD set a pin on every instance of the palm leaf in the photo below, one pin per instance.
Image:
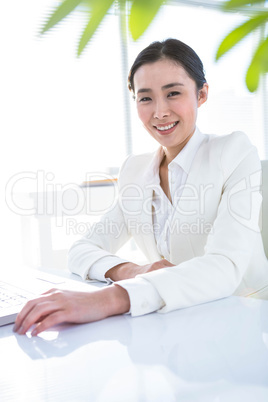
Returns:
(258, 66)
(239, 3)
(240, 32)
(142, 14)
(98, 11)
(65, 8)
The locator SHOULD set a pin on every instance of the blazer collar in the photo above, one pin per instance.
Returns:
(184, 159)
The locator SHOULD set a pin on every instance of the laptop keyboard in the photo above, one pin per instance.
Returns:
(12, 296)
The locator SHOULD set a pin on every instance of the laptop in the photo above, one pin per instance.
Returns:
(15, 292)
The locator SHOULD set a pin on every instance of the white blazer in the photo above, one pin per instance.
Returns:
(215, 241)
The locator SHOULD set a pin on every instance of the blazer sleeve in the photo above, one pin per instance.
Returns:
(102, 240)
(229, 246)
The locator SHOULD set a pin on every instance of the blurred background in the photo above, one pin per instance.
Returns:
(65, 120)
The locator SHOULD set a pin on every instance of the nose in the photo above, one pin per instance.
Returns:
(161, 109)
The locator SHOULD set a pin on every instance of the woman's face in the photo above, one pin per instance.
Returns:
(167, 100)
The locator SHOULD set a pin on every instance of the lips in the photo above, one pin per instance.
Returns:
(166, 128)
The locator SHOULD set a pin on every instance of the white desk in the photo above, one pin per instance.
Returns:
(216, 352)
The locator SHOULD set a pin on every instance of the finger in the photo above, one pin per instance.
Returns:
(29, 306)
(48, 322)
(158, 265)
(50, 291)
(25, 311)
(40, 309)
(166, 263)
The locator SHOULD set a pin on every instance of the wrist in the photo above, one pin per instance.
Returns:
(117, 300)
(122, 271)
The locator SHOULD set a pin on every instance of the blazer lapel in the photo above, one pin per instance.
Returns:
(147, 223)
(147, 236)
(186, 212)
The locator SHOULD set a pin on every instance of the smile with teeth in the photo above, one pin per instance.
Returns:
(167, 127)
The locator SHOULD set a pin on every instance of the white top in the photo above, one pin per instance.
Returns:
(178, 171)
(143, 296)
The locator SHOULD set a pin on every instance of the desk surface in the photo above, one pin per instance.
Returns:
(214, 352)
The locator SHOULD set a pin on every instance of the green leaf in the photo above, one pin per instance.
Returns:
(98, 11)
(239, 3)
(142, 14)
(258, 66)
(240, 32)
(65, 8)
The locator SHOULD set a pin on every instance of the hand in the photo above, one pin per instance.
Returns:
(129, 270)
(58, 306)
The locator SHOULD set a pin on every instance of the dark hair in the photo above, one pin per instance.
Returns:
(174, 50)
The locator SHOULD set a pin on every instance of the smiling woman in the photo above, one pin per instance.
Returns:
(192, 207)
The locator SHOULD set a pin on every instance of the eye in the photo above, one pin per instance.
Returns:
(173, 93)
(144, 99)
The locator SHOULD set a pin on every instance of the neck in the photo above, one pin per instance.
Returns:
(171, 153)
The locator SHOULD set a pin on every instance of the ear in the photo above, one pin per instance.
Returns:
(202, 94)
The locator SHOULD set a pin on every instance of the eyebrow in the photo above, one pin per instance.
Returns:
(167, 86)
